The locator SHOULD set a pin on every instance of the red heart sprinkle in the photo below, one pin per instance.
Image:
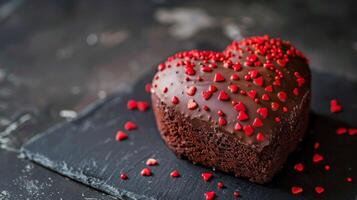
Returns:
(251, 94)
(352, 131)
(319, 189)
(274, 106)
(151, 162)
(233, 88)
(218, 78)
(191, 91)
(174, 100)
(239, 107)
(296, 190)
(258, 81)
(175, 174)
(260, 137)
(129, 125)
(248, 130)
(236, 194)
(265, 97)
(222, 121)
(146, 172)
(223, 96)
(206, 94)
(191, 104)
(206, 176)
(257, 122)
(120, 136)
(242, 116)
(237, 127)
(317, 158)
(131, 105)
(206, 69)
(262, 112)
(143, 106)
(299, 167)
(282, 96)
(210, 195)
(234, 77)
(212, 88)
(269, 88)
(341, 131)
(334, 106)
(161, 66)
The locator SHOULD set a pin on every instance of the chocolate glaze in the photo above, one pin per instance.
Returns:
(173, 76)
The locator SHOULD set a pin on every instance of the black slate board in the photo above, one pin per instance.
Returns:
(85, 150)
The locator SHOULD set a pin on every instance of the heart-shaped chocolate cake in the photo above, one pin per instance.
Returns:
(241, 111)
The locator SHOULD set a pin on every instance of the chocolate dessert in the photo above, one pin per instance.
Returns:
(240, 111)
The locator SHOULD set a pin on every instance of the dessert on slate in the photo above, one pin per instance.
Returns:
(240, 111)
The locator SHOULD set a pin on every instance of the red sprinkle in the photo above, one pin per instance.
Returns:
(212, 88)
(251, 94)
(260, 137)
(191, 91)
(123, 176)
(319, 189)
(174, 100)
(349, 180)
(341, 131)
(222, 121)
(296, 190)
(206, 176)
(142, 105)
(175, 174)
(248, 130)
(151, 162)
(327, 167)
(239, 106)
(120, 136)
(223, 96)
(316, 145)
(234, 77)
(148, 87)
(220, 185)
(262, 112)
(218, 78)
(210, 195)
(146, 172)
(191, 104)
(274, 106)
(352, 131)
(269, 88)
(131, 105)
(299, 167)
(317, 158)
(206, 94)
(257, 122)
(282, 96)
(237, 127)
(242, 116)
(129, 125)
(233, 88)
(258, 81)
(236, 194)
(334, 106)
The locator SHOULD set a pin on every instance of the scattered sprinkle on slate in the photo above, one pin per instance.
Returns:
(121, 136)
(145, 172)
(174, 174)
(123, 176)
(129, 125)
(206, 176)
(210, 195)
(151, 162)
(296, 190)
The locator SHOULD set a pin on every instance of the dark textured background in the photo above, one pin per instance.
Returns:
(62, 55)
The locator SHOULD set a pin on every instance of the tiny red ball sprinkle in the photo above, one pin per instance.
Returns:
(317, 158)
(296, 91)
(148, 87)
(142, 105)
(146, 172)
(316, 145)
(129, 125)
(274, 106)
(277, 119)
(131, 105)
(334, 106)
(165, 90)
(296, 190)
(269, 88)
(260, 137)
(265, 97)
(220, 185)
(218, 78)
(123, 176)
(210, 195)
(120, 136)
(175, 174)
(206, 176)
(151, 162)
(234, 77)
(174, 100)
(341, 131)
(282, 96)
(319, 189)
(299, 167)
(349, 180)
